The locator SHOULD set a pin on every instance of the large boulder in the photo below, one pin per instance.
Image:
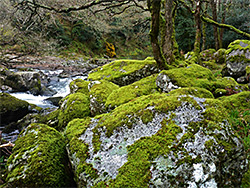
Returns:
(12, 109)
(157, 141)
(237, 59)
(125, 72)
(39, 159)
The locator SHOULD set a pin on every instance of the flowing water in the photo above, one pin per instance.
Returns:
(61, 86)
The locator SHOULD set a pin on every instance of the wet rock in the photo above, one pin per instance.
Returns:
(157, 141)
(24, 81)
(54, 100)
(12, 109)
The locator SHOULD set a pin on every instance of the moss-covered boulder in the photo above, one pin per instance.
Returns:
(125, 72)
(79, 85)
(195, 76)
(157, 141)
(39, 159)
(12, 109)
(237, 59)
(127, 93)
(73, 106)
(99, 92)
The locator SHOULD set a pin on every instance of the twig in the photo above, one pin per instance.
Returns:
(9, 144)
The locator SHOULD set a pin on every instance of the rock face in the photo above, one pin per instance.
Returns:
(11, 108)
(237, 59)
(38, 159)
(154, 141)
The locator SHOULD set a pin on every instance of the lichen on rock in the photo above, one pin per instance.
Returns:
(157, 141)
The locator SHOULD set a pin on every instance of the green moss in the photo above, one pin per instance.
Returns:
(124, 94)
(246, 180)
(38, 159)
(236, 101)
(99, 92)
(194, 91)
(10, 103)
(73, 131)
(236, 45)
(220, 56)
(198, 76)
(241, 45)
(143, 153)
(220, 92)
(136, 172)
(73, 106)
(50, 119)
(117, 70)
(79, 85)
(248, 70)
(188, 76)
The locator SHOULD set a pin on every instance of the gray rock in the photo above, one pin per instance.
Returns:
(24, 81)
(237, 60)
(165, 83)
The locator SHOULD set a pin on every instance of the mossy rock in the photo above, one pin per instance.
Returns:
(207, 55)
(73, 106)
(79, 85)
(237, 59)
(191, 58)
(99, 92)
(12, 109)
(195, 76)
(124, 72)
(157, 141)
(237, 101)
(194, 91)
(125, 94)
(39, 159)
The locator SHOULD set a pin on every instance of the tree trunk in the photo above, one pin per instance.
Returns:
(204, 35)
(155, 7)
(214, 12)
(167, 39)
(197, 44)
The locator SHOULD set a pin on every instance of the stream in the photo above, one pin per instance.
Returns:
(58, 84)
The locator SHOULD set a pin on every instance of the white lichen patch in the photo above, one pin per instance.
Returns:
(113, 151)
